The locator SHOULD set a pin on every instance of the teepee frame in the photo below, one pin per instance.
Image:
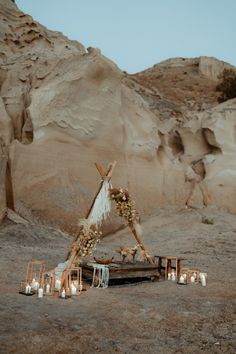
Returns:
(72, 258)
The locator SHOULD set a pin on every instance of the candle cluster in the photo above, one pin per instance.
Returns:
(87, 242)
(189, 276)
(124, 205)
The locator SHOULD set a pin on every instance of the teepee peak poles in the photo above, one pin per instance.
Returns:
(100, 169)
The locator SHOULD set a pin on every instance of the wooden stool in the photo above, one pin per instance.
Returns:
(169, 266)
(159, 261)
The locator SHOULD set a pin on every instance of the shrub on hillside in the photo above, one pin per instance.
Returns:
(227, 86)
(207, 221)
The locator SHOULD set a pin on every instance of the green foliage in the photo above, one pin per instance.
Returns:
(227, 86)
(207, 221)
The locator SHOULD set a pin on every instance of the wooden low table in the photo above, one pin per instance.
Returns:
(126, 271)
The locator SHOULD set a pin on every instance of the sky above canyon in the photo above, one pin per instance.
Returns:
(136, 34)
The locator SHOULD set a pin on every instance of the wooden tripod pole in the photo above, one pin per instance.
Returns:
(140, 243)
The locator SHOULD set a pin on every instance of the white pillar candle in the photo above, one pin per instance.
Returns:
(36, 285)
(202, 274)
(40, 293)
(169, 276)
(72, 284)
(73, 290)
(28, 289)
(58, 284)
(33, 283)
(48, 288)
(173, 277)
(203, 280)
(182, 280)
(192, 279)
(76, 283)
(63, 293)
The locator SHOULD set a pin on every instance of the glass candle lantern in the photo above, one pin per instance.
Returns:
(25, 288)
(182, 279)
(49, 283)
(34, 274)
(73, 280)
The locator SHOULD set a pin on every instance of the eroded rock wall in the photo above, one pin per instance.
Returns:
(63, 107)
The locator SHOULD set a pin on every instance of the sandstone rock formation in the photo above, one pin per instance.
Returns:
(63, 107)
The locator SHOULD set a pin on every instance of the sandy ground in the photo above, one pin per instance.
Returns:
(159, 317)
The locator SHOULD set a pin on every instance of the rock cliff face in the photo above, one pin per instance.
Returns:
(63, 107)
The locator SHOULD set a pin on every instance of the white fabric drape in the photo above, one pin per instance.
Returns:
(102, 206)
(102, 272)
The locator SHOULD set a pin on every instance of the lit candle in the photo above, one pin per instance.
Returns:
(58, 284)
(27, 289)
(63, 293)
(203, 280)
(73, 289)
(173, 276)
(48, 288)
(33, 283)
(76, 283)
(182, 280)
(36, 285)
(40, 293)
(169, 276)
(192, 279)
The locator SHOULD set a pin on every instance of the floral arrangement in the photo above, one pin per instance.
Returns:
(87, 240)
(124, 205)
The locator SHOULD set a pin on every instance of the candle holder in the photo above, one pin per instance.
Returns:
(34, 277)
(64, 294)
(48, 283)
(73, 280)
(182, 279)
(57, 280)
(193, 275)
(25, 289)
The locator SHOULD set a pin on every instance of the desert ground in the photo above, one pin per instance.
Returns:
(149, 317)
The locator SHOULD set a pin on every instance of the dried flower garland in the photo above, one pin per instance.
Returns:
(124, 205)
(87, 241)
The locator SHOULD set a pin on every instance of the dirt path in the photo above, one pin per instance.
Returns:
(148, 318)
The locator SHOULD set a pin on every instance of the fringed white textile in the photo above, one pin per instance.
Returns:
(102, 206)
(103, 275)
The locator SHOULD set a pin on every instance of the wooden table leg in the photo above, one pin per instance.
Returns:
(177, 269)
